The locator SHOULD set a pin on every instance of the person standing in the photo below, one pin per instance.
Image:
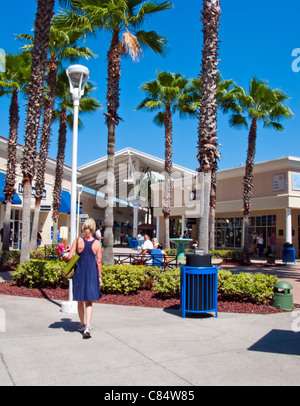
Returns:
(260, 245)
(272, 243)
(87, 278)
(39, 238)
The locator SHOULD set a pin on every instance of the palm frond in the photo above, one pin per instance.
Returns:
(238, 121)
(154, 41)
(274, 125)
(159, 119)
(132, 44)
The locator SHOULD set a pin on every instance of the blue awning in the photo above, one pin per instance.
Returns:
(65, 203)
(16, 199)
(116, 225)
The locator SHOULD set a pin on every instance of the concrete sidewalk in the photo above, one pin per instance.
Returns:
(133, 346)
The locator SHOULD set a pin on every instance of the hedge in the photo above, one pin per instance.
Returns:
(128, 279)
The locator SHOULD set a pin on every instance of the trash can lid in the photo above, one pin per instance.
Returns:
(283, 285)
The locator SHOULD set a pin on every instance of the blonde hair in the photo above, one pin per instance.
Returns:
(89, 227)
(155, 242)
(64, 241)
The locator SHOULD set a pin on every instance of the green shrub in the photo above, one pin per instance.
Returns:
(10, 258)
(40, 274)
(167, 284)
(258, 288)
(124, 279)
(228, 255)
(38, 254)
(127, 279)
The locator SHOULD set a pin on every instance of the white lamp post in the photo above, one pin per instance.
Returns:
(78, 75)
(79, 191)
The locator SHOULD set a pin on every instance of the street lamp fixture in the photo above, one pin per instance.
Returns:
(78, 76)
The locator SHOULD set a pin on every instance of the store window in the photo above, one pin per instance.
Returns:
(15, 229)
(229, 233)
(229, 230)
(262, 224)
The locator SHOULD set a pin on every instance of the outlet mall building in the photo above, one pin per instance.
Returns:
(138, 199)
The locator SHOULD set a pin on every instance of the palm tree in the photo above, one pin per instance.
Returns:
(225, 92)
(63, 46)
(35, 97)
(168, 93)
(12, 81)
(64, 114)
(260, 104)
(208, 153)
(119, 18)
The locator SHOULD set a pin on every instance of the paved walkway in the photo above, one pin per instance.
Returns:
(135, 346)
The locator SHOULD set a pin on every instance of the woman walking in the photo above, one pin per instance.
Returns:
(87, 275)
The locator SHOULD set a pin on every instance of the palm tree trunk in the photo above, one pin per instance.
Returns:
(168, 173)
(6, 226)
(35, 224)
(207, 130)
(212, 214)
(203, 236)
(43, 155)
(248, 185)
(10, 178)
(25, 245)
(59, 170)
(112, 119)
(35, 97)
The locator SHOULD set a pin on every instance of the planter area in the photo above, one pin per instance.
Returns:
(143, 298)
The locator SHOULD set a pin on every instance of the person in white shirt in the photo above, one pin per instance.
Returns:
(147, 244)
(98, 234)
(260, 245)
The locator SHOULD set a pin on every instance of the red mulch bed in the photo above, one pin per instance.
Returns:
(143, 298)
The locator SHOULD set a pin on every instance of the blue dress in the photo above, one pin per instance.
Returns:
(86, 285)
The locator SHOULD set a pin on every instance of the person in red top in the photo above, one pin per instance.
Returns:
(272, 242)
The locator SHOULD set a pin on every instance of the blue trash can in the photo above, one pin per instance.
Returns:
(288, 255)
(198, 290)
(133, 244)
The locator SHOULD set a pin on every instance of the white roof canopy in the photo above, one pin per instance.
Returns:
(130, 167)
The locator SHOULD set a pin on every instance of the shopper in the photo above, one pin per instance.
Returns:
(260, 245)
(87, 276)
(272, 242)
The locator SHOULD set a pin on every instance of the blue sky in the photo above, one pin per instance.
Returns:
(257, 39)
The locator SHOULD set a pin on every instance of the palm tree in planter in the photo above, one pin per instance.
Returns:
(64, 114)
(168, 94)
(261, 104)
(123, 20)
(63, 46)
(208, 153)
(12, 81)
(35, 98)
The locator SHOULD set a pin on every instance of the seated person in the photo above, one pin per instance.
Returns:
(162, 256)
(63, 249)
(146, 248)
